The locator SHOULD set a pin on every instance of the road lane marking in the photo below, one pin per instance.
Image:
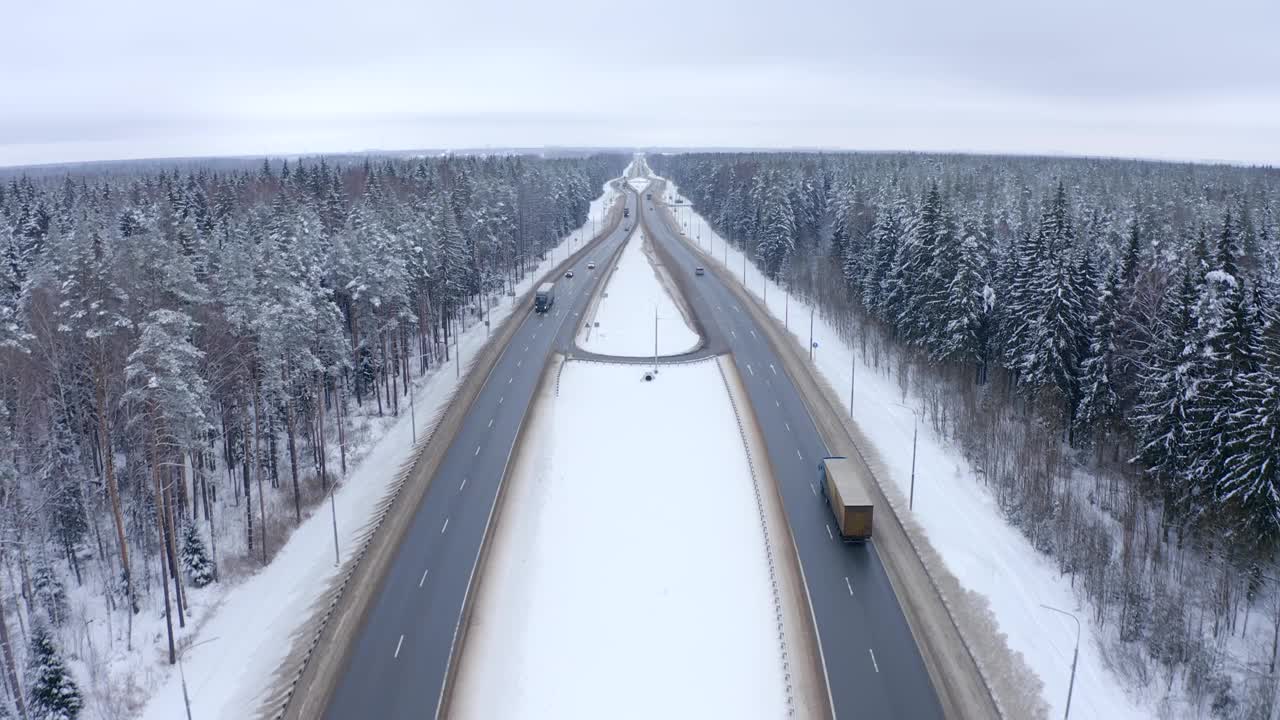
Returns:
(500, 399)
(788, 426)
(874, 664)
(509, 380)
(490, 422)
(774, 369)
(813, 490)
(398, 644)
(735, 308)
(848, 584)
(477, 450)
(753, 372)
(526, 348)
(797, 454)
(424, 577)
(734, 334)
(464, 484)
(753, 333)
(445, 526)
(519, 363)
(775, 402)
(833, 537)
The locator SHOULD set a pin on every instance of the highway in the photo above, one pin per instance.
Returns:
(398, 665)
(873, 666)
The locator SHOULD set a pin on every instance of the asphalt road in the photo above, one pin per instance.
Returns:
(398, 665)
(873, 666)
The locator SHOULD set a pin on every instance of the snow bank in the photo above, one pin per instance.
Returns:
(628, 577)
(960, 517)
(245, 630)
(623, 320)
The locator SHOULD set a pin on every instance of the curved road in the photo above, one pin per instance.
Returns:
(398, 666)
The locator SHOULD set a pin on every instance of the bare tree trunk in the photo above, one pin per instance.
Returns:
(248, 500)
(171, 548)
(160, 526)
(293, 460)
(10, 667)
(113, 490)
(320, 403)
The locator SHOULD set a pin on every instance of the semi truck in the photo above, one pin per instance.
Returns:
(545, 297)
(843, 489)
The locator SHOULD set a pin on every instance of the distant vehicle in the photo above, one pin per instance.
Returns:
(843, 489)
(545, 297)
(626, 212)
(591, 266)
(699, 270)
(648, 196)
(568, 273)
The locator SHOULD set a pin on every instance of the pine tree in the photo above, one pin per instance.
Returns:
(1098, 413)
(52, 693)
(777, 233)
(919, 281)
(50, 593)
(960, 312)
(195, 561)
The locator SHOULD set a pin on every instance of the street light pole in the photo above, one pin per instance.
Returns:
(1074, 656)
(915, 433)
(182, 675)
(812, 310)
(655, 339)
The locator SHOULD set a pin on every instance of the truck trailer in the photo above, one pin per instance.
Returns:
(545, 297)
(844, 490)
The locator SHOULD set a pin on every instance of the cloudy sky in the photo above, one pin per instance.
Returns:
(86, 80)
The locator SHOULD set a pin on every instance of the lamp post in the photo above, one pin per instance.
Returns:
(186, 700)
(915, 433)
(812, 309)
(1074, 656)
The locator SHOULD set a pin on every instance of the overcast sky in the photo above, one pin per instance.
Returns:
(88, 80)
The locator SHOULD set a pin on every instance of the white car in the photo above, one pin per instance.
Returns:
(568, 273)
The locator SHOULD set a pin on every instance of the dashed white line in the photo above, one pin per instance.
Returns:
(445, 526)
(398, 644)
(829, 534)
(775, 402)
(753, 372)
(812, 489)
(797, 454)
(788, 426)
(526, 348)
(477, 450)
(500, 399)
(490, 422)
(874, 664)
(519, 363)
(462, 484)
(774, 369)
(734, 334)
(424, 577)
(753, 333)
(848, 584)
(509, 380)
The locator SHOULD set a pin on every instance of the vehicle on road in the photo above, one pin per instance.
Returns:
(591, 266)
(568, 273)
(545, 297)
(626, 212)
(843, 489)
(699, 270)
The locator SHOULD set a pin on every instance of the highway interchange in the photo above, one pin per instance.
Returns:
(399, 664)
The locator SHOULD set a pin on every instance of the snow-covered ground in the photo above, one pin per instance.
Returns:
(240, 632)
(640, 184)
(958, 514)
(628, 578)
(623, 322)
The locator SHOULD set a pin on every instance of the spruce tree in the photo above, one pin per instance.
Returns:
(195, 561)
(52, 693)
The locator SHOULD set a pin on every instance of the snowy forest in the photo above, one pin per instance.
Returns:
(189, 342)
(1099, 337)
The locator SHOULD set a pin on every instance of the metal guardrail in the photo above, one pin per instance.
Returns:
(779, 624)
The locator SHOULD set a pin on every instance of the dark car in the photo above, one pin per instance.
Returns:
(568, 273)
(699, 270)
(591, 266)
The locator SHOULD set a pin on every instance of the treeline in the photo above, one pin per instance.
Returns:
(175, 341)
(1054, 314)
